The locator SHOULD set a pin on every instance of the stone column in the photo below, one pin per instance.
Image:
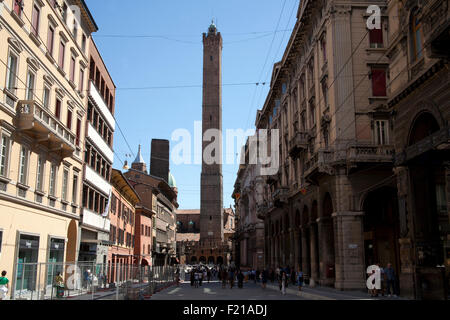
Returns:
(313, 244)
(291, 248)
(406, 248)
(306, 267)
(326, 245)
(349, 244)
(296, 249)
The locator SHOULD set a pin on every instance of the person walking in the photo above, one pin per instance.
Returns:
(192, 274)
(240, 278)
(224, 278)
(264, 277)
(300, 279)
(390, 280)
(284, 280)
(231, 278)
(4, 286)
(196, 279)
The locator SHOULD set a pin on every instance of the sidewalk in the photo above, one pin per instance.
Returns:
(327, 293)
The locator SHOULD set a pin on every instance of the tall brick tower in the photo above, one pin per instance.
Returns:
(211, 207)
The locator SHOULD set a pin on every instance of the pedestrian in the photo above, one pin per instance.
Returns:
(177, 277)
(224, 278)
(4, 286)
(264, 276)
(272, 275)
(300, 279)
(231, 278)
(283, 285)
(196, 279)
(240, 278)
(293, 276)
(208, 274)
(192, 278)
(59, 285)
(391, 280)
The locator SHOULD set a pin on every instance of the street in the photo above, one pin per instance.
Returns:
(214, 291)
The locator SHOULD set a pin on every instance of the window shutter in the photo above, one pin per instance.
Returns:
(379, 82)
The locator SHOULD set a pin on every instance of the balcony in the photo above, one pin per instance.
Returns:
(95, 220)
(320, 162)
(98, 100)
(45, 128)
(96, 139)
(281, 195)
(97, 180)
(370, 154)
(298, 143)
(439, 140)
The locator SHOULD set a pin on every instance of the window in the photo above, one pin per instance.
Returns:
(52, 184)
(325, 92)
(75, 188)
(35, 20)
(23, 165)
(46, 97)
(381, 133)
(417, 37)
(18, 7)
(30, 85)
(72, 69)
(83, 43)
(62, 49)
(12, 71)
(58, 109)
(323, 44)
(50, 38)
(313, 115)
(78, 132)
(378, 82)
(65, 183)
(81, 84)
(376, 37)
(4, 155)
(69, 119)
(40, 173)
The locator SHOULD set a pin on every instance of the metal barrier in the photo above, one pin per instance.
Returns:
(88, 281)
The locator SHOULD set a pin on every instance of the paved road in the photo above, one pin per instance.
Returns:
(214, 291)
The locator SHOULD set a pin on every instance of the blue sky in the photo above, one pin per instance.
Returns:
(160, 45)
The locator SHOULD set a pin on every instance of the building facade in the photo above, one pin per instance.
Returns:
(419, 99)
(122, 236)
(44, 58)
(192, 250)
(98, 160)
(157, 194)
(357, 134)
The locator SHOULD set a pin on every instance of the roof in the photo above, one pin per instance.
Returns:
(121, 183)
(139, 158)
(172, 182)
(94, 26)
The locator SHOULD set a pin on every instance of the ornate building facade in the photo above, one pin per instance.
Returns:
(363, 121)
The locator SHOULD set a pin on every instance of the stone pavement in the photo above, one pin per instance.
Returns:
(252, 291)
(214, 291)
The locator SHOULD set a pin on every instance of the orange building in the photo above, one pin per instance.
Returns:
(144, 236)
(122, 235)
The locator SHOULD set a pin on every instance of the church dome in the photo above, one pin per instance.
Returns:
(212, 28)
(172, 181)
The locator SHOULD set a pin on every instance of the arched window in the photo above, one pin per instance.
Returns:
(416, 36)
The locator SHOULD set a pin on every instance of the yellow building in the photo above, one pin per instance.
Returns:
(43, 81)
